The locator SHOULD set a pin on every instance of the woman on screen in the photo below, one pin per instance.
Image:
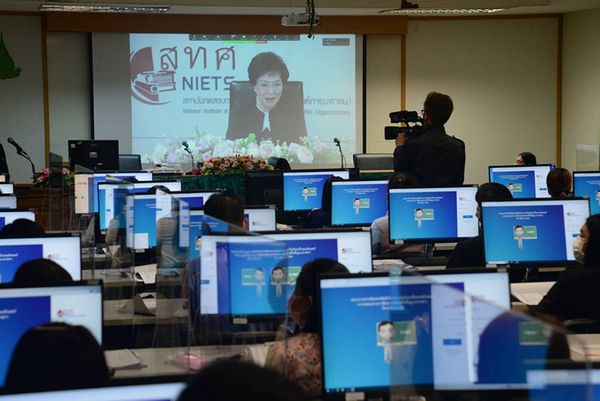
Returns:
(299, 358)
(267, 111)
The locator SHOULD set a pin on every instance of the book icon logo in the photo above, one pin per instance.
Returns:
(147, 84)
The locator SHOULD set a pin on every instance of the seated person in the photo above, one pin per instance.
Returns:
(526, 159)
(22, 228)
(299, 358)
(320, 218)
(228, 380)
(559, 182)
(54, 356)
(574, 296)
(41, 272)
(380, 228)
(470, 253)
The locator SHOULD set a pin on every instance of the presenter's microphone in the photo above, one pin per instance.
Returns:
(187, 149)
(16, 145)
(339, 145)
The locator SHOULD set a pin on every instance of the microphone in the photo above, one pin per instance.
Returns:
(24, 154)
(339, 145)
(186, 147)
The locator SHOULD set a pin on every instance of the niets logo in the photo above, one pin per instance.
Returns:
(148, 85)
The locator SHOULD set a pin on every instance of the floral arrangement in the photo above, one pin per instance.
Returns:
(232, 165)
(205, 146)
(42, 179)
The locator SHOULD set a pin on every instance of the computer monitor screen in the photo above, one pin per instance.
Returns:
(108, 198)
(532, 231)
(194, 199)
(7, 189)
(523, 181)
(86, 188)
(144, 212)
(223, 256)
(62, 249)
(21, 309)
(94, 155)
(587, 184)
(260, 218)
(433, 214)
(436, 323)
(264, 187)
(578, 383)
(135, 392)
(8, 202)
(303, 190)
(358, 203)
(8, 216)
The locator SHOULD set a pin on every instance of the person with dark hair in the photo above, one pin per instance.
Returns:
(54, 356)
(432, 157)
(268, 112)
(559, 182)
(299, 358)
(227, 207)
(156, 188)
(469, 253)
(525, 159)
(319, 218)
(380, 228)
(41, 272)
(22, 228)
(575, 294)
(229, 380)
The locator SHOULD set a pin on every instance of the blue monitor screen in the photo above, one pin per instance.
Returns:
(222, 255)
(564, 384)
(199, 223)
(588, 184)
(433, 213)
(358, 203)
(8, 202)
(97, 178)
(304, 190)
(147, 210)
(24, 308)
(522, 181)
(523, 231)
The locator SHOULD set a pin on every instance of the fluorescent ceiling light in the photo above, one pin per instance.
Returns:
(441, 11)
(89, 8)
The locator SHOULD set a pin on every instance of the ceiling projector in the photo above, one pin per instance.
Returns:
(299, 19)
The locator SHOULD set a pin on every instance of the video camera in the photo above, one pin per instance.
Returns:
(413, 124)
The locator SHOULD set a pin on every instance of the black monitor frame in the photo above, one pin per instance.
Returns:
(95, 155)
(354, 180)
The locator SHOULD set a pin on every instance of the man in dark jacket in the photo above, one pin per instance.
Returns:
(434, 158)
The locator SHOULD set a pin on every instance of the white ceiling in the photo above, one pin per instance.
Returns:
(324, 7)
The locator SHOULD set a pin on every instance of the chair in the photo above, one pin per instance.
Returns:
(279, 163)
(130, 162)
(374, 161)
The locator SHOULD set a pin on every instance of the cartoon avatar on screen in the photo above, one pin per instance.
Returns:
(511, 187)
(598, 196)
(386, 332)
(419, 217)
(519, 231)
(356, 203)
(278, 280)
(305, 193)
(259, 281)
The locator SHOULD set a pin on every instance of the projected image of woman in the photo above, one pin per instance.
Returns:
(268, 111)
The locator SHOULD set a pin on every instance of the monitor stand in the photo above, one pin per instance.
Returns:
(427, 259)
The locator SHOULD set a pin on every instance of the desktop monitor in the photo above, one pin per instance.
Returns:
(21, 308)
(532, 232)
(260, 218)
(303, 189)
(8, 202)
(437, 322)
(194, 199)
(522, 181)
(358, 202)
(444, 214)
(94, 155)
(86, 188)
(228, 256)
(587, 184)
(264, 187)
(143, 214)
(580, 381)
(7, 189)
(63, 249)
(8, 216)
(108, 197)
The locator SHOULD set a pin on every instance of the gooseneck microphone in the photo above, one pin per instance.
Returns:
(339, 145)
(21, 152)
(186, 147)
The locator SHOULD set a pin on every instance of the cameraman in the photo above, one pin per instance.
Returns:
(432, 157)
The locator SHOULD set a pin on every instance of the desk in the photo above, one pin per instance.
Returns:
(168, 311)
(591, 342)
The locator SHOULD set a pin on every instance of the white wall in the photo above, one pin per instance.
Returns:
(21, 98)
(581, 83)
(501, 75)
(69, 89)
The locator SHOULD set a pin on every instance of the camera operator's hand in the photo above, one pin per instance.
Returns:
(400, 139)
